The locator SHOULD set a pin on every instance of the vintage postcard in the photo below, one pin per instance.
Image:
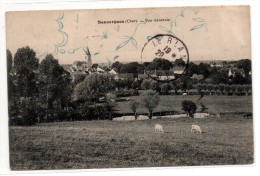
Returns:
(124, 88)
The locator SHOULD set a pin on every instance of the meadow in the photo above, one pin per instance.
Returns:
(215, 103)
(227, 140)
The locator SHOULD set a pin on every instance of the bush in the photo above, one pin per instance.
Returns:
(24, 112)
(94, 112)
(165, 88)
(189, 107)
(145, 84)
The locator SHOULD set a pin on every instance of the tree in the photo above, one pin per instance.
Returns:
(154, 86)
(210, 88)
(132, 67)
(78, 78)
(9, 58)
(150, 101)
(165, 88)
(204, 69)
(189, 107)
(95, 66)
(247, 89)
(198, 87)
(134, 106)
(94, 87)
(55, 86)
(179, 63)
(239, 89)
(221, 88)
(25, 58)
(228, 89)
(233, 88)
(239, 79)
(110, 104)
(11, 86)
(203, 87)
(117, 66)
(160, 64)
(244, 64)
(25, 63)
(145, 84)
(25, 113)
(219, 75)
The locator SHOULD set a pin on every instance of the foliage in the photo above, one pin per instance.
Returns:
(25, 62)
(244, 64)
(55, 87)
(154, 85)
(24, 112)
(189, 107)
(127, 93)
(78, 78)
(134, 106)
(165, 88)
(132, 67)
(151, 100)
(25, 58)
(9, 58)
(145, 84)
(94, 87)
(117, 66)
(110, 104)
(179, 62)
(160, 64)
(95, 66)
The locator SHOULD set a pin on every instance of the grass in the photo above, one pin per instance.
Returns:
(111, 144)
(215, 103)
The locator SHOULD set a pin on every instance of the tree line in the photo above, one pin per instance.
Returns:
(42, 91)
(207, 89)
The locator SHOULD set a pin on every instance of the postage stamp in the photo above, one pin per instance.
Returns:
(123, 88)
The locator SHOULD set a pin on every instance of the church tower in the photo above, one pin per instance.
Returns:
(88, 58)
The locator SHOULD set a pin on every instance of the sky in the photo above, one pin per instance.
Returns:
(209, 33)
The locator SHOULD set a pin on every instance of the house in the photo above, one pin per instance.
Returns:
(197, 77)
(232, 72)
(178, 70)
(214, 64)
(143, 76)
(112, 72)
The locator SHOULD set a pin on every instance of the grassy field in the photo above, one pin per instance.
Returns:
(215, 103)
(109, 144)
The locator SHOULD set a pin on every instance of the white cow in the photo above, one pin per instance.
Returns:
(184, 94)
(195, 129)
(158, 128)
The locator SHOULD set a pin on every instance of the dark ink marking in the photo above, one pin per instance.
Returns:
(164, 50)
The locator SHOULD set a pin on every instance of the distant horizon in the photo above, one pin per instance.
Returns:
(124, 62)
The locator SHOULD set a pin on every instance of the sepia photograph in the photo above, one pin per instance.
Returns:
(129, 87)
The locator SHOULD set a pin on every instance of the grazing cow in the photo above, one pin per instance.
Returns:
(195, 129)
(184, 94)
(158, 128)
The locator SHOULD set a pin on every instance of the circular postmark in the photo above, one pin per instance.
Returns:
(165, 57)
